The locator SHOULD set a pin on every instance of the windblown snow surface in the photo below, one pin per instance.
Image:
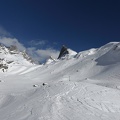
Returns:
(85, 86)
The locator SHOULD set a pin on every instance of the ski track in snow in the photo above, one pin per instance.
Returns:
(67, 101)
(81, 87)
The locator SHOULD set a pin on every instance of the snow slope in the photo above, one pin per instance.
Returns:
(84, 86)
(10, 57)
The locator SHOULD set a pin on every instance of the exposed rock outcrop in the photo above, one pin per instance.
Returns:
(63, 52)
(66, 52)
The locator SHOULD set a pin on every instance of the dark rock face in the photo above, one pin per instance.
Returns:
(63, 52)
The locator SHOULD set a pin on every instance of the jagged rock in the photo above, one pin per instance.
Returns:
(63, 52)
(4, 66)
(10, 56)
(66, 52)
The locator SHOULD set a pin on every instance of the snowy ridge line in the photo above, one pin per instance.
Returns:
(77, 86)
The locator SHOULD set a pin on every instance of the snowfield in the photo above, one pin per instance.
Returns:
(78, 86)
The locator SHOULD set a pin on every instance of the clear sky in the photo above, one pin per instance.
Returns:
(48, 24)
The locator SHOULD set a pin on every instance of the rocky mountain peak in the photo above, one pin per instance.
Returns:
(10, 56)
(66, 52)
(63, 52)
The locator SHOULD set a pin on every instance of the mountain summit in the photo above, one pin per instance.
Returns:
(10, 56)
(66, 52)
(76, 86)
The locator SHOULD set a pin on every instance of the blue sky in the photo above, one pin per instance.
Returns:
(48, 24)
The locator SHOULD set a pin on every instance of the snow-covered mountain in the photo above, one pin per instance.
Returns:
(10, 56)
(66, 53)
(76, 86)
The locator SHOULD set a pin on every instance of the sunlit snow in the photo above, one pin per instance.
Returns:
(83, 86)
